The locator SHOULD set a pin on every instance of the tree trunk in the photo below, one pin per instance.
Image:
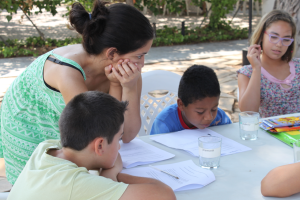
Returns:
(293, 8)
(129, 2)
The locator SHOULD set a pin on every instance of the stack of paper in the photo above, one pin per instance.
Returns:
(190, 176)
(138, 152)
(188, 140)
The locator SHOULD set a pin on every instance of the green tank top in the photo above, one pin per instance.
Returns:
(29, 114)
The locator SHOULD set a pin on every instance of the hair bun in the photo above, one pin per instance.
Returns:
(95, 26)
(78, 17)
(98, 19)
(100, 8)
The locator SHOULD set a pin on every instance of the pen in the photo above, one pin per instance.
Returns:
(163, 172)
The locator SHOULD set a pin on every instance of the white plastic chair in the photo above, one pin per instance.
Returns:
(4, 195)
(150, 105)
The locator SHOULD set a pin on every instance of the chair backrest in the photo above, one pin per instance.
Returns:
(4, 195)
(152, 102)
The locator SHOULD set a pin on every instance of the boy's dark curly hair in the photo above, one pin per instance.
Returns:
(198, 82)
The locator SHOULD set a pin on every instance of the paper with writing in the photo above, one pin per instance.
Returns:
(138, 152)
(188, 140)
(190, 175)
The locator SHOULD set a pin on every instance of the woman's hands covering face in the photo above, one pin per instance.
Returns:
(125, 73)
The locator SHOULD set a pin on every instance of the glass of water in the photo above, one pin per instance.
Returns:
(296, 147)
(249, 125)
(209, 151)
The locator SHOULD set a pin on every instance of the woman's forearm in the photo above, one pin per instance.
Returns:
(115, 90)
(250, 98)
(132, 123)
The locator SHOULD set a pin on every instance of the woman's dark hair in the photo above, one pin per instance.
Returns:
(196, 83)
(119, 25)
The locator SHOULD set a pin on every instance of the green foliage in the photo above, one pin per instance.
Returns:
(219, 10)
(28, 47)
(11, 6)
(87, 4)
(172, 35)
(164, 37)
(156, 6)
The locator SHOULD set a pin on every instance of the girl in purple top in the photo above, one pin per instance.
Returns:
(270, 85)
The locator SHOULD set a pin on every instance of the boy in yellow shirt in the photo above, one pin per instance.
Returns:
(91, 126)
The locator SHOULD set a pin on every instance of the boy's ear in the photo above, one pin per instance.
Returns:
(112, 53)
(180, 104)
(99, 145)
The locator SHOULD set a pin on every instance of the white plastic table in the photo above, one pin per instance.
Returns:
(239, 176)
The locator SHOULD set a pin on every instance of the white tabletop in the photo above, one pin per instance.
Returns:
(239, 176)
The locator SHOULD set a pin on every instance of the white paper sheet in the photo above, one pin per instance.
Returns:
(188, 140)
(190, 175)
(138, 152)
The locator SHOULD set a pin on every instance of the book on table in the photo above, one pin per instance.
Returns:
(286, 129)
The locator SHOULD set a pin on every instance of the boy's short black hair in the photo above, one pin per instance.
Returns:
(90, 115)
(198, 82)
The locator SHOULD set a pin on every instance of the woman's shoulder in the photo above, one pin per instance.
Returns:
(246, 70)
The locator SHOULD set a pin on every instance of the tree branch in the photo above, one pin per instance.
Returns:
(40, 33)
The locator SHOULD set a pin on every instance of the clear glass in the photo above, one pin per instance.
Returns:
(296, 147)
(209, 151)
(249, 125)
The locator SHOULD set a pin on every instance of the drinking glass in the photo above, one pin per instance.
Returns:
(296, 147)
(209, 151)
(249, 125)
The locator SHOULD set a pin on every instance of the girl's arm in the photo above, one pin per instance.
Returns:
(249, 89)
(130, 78)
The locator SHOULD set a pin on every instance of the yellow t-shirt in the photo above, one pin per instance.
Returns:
(47, 177)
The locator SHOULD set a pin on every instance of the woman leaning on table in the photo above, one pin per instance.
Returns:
(110, 58)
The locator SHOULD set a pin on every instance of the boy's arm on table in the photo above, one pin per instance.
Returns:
(159, 127)
(145, 188)
(113, 172)
(282, 181)
(139, 187)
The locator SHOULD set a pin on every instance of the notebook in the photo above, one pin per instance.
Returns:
(286, 129)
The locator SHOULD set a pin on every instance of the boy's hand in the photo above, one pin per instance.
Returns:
(128, 73)
(253, 56)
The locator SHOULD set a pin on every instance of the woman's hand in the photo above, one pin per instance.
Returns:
(110, 75)
(253, 56)
(128, 73)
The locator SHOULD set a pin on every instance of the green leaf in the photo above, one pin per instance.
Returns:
(8, 17)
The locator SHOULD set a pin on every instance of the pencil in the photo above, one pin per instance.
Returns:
(163, 172)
